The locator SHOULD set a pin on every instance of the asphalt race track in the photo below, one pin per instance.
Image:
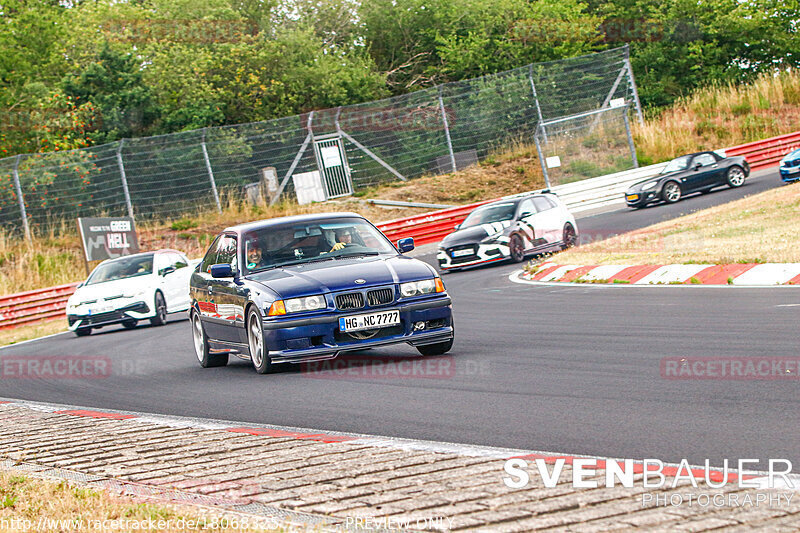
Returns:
(563, 369)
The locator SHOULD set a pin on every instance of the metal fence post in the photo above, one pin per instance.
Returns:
(447, 130)
(541, 158)
(632, 84)
(124, 179)
(630, 139)
(21, 199)
(210, 173)
(536, 99)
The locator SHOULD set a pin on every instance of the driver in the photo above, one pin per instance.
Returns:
(343, 238)
(253, 254)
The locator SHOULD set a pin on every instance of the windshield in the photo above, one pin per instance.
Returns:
(316, 240)
(489, 214)
(125, 267)
(680, 163)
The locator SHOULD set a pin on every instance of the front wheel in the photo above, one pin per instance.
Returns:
(671, 192)
(206, 359)
(735, 176)
(516, 248)
(255, 338)
(161, 311)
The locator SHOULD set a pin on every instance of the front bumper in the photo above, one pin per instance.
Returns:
(790, 174)
(640, 198)
(482, 254)
(295, 340)
(136, 310)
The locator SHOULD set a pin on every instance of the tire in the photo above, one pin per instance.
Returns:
(255, 339)
(161, 310)
(516, 249)
(83, 332)
(200, 340)
(735, 176)
(570, 236)
(671, 192)
(129, 324)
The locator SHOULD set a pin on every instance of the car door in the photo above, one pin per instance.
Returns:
(701, 173)
(226, 296)
(526, 213)
(198, 288)
(547, 220)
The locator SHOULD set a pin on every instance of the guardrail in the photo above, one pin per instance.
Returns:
(766, 153)
(32, 306)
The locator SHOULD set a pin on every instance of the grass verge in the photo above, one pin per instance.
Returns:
(45, 505)
(753, 229)
(33, 331)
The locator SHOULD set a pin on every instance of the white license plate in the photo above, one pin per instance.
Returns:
(462, 253)
(369, 321)
(101, 310)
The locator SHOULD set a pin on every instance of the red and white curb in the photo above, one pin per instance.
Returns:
(736, 274)
(669, 469)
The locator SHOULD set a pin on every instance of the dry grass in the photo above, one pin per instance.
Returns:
(722, 116)
(34, 331)
(755, 229)
(44, 502)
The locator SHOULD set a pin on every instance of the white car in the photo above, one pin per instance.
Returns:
(131, 288)
(511, 228)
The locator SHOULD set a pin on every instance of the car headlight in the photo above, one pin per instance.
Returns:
(297, 305)
(648, 186)
(425, 286)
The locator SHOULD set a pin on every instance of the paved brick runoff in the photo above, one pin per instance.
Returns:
(750, 274)
(356, 482)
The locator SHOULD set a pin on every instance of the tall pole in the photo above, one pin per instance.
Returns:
(124, 179)
(536, 99)
(632, 84)
(21, 200)
(210, 173)
(630, 139)
(541, 158)
(447, 130)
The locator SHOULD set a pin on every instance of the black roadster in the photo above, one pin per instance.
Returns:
(699, 172)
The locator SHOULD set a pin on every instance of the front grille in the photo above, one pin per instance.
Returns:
(350, 300)
(103, 318)
(380, 296)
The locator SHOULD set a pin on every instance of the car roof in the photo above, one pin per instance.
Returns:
(517, 198)
(151, 252)
(260, 224)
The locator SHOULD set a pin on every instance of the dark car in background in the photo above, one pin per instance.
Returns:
(790, 166)
(509, 229)
(310, 287)
(698, 172)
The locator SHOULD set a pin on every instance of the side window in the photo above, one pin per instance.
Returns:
(226, 253)
(179, 261)
(550, 201)
(527, 207)
(541, 204)
(704, 159)
(211, 255)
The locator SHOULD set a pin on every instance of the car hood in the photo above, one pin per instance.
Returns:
(474, 234)
(340, 274)
(111, 289)
(658, 177)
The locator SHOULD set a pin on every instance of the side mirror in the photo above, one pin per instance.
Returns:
(525, 215)
(405, 245)
(167, 270)
(222, 270)
(457, 226)
(698, 165)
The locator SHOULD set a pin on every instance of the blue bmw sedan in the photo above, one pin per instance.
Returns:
(310, 287)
